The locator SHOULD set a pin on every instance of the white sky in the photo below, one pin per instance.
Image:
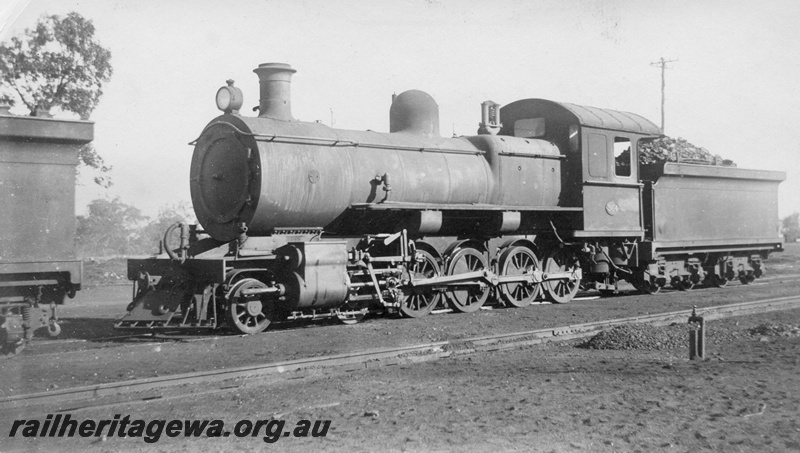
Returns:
(734, 90)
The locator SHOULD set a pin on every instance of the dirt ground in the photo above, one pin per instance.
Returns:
(89, 353)
(555, 397)
(548, 398)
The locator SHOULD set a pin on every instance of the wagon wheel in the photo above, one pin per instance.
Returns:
(560, 291)
(248, 313)
(646, 282)
(417, 303)
(53, 328)
(514, 261)
(470, 298)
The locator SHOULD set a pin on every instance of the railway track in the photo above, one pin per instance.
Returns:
(148, 339)
(163, 387)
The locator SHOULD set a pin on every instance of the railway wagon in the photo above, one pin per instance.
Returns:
(38, 264)
(298, 220)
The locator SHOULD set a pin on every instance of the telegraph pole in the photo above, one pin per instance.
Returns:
(663, 64)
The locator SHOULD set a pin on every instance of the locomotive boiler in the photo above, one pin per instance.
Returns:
(274, 172)
(300, 220)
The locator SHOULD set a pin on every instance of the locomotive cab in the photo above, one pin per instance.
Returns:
(600, 174)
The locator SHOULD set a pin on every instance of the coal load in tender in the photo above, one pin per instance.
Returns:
(668, 149)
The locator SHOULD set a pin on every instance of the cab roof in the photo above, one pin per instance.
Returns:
(583, 115)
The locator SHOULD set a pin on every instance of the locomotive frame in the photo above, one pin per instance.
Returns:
(546, 199)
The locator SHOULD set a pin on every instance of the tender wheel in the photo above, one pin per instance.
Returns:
(746, 277)
(418, 303)
(472, 296)
(726, 273)
(681, 284)
(718, 281)
(560, 291)
(730, 274)
(758, 269)
(514, 261)
(647, 283)
(248, 313)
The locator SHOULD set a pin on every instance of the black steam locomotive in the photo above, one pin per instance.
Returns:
(299, 220)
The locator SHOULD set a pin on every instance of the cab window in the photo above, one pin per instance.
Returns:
(529, 128)
(574, 138)
(622, 156)
(598, 155)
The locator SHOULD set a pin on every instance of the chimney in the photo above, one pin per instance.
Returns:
(275, 80)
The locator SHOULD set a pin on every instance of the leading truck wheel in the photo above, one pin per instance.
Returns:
(248, 313)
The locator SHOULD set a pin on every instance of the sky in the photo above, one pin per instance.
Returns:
(732, 89)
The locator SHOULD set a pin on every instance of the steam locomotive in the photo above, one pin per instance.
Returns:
(302, 221)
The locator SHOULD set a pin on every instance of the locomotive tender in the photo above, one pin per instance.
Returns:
(299, 220)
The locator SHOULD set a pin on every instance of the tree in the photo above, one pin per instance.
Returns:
(88, 156)
(114, 228)
(110, 228)
(57, 64)
(148, 236)
(790, 227)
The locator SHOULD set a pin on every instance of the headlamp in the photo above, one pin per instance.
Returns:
(229, 98)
